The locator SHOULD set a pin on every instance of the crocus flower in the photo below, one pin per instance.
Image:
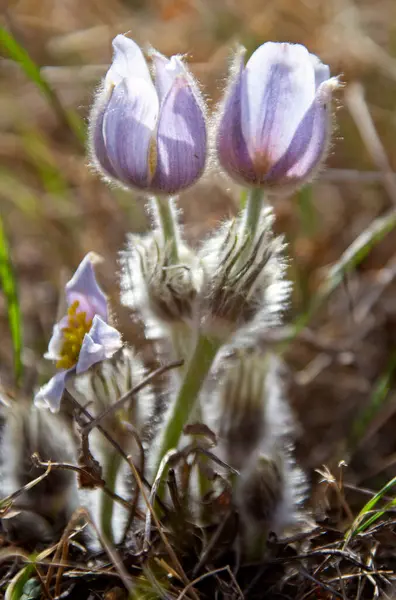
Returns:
(148, 135)
(274, 124)
(81, 338)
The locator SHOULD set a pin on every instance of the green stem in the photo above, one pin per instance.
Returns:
(168, 226)
(110, 470)
(186, 401)
(252, 210)
(205, 486)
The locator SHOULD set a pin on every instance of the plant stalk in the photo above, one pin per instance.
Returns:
(186, 401)
(168, 224)
(110, 471)
(252, 209)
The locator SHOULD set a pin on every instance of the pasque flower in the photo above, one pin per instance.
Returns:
(148, 135)
(274, 124)
(81, 338)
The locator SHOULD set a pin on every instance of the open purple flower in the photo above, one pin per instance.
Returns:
(275, 123)
(82, 337)
(149, 136)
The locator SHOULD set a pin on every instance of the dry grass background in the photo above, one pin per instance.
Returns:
(55, 210)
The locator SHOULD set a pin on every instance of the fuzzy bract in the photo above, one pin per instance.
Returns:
(244, 290)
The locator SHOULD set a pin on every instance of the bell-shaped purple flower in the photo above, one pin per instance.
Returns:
(81, 338)
(151, 136)
(275, 122)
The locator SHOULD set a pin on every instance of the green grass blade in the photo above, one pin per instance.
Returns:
(307, 212)
(377, 515)
(16, 589)
(14, 191)
(358, 526)
(351, 258)
(38, 149)
(9, 287)
(377, 400)
(377, 497)
(11, 47)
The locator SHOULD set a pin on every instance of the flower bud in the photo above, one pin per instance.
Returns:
(151, 136)
(275, 122)
(43, 510)
(244, 285)
(246, 408)
(268, 495)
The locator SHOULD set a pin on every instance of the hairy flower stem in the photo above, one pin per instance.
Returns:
(252, 209)
(110, 470)
(186, 401)
(168, 225)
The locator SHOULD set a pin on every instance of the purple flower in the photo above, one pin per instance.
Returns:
(149, 136)
(274, 125)
(82, 337)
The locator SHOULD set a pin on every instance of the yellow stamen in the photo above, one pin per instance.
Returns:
(73, 334)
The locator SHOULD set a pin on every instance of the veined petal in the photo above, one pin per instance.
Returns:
(318, 123)
(231, 145)
(181, 139)
(97, 143)
(100, 343)
(166, 70)
(278, 88)
(50, 395)
(84, 288)
(128, 61)
(128, 126)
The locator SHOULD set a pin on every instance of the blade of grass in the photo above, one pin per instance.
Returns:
(14, 191)
(38, 150)
(350, 259)
(16, 588)
(9, 287)
(377, 400)
(377, 515)
(23, 585)
(11, 47)
(308, 216)
(358, 526)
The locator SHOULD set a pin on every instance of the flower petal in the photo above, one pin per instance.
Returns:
(166, 71)
(100, 343)
(231, 146)
(97, 143)
(322, 71)
(90, 354)
(56, 341)
(181, 138)
(128, 61)
(50, 395)
(278, 88)
(84, 288)
(312, 137)
(128, 126)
